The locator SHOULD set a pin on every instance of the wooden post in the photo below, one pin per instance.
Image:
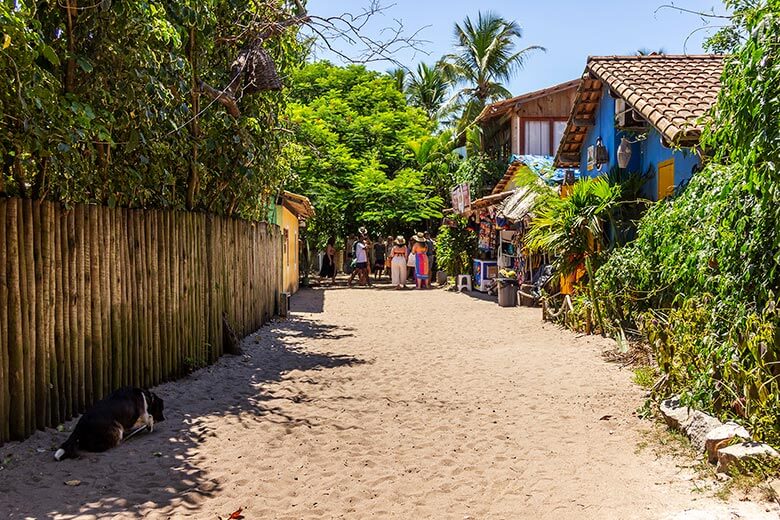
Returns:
(81, 317)
(165, 267)
(154, 290)
(134, 338)
(105, 298)
(15, 324)
(114, 288)
(5, 340)
(59, 395)
(71, 313)
(50, 318)
(27, 271)
(162, 315)
(96, 342)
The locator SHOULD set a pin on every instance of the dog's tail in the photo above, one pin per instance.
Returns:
(69, 447)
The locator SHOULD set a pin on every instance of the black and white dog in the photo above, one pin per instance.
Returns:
(110, 420)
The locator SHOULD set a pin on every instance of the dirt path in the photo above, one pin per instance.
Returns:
(382, 404)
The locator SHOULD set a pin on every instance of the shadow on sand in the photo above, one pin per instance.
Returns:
(164, 469)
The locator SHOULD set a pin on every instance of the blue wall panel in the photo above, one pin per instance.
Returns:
(646, 154)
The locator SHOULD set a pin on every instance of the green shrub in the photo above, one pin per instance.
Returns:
(455, 247)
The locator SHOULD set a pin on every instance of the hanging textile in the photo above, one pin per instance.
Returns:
(487, 235)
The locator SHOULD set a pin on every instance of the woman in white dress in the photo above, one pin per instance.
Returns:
(398, 264)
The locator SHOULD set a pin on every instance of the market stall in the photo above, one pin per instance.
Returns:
(501, 221)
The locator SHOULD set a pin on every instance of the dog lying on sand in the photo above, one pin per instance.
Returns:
(121, 414)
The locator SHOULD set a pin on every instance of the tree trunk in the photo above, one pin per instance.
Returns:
(193, 182)
(71, 10)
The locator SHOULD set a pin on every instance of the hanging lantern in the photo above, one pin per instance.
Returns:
(624, 153)
(602, 155)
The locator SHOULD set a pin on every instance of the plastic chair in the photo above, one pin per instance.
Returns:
(464, 282)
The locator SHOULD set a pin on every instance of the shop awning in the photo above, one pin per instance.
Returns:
(518, 205)
(299, 205)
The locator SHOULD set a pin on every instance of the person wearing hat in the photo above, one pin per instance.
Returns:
(420, 252)
(362, 264)
(398, 263)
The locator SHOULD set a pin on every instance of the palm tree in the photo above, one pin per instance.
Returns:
(575, 228)
(427, 89)
(485, 59)
(644, 51)
(398, 75)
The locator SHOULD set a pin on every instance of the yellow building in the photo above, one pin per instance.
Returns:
(291, 212)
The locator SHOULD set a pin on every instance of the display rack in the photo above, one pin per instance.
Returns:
(509, 257)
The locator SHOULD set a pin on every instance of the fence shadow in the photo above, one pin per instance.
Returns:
(309, 300)
(164, 469)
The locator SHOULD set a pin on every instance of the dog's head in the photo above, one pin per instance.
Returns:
(156, 406)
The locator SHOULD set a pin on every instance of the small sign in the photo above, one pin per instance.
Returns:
(461, 197)
(455, 194)
(465, 193)
(591, 157)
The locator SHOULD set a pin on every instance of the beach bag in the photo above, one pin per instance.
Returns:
(411, 261)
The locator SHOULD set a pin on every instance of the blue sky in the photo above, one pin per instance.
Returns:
(571, 30)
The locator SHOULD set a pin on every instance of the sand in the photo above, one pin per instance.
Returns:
(374, 403)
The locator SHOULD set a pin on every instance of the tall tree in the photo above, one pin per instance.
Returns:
(485, 58)
(352, 156)
(399, 75)
(427, 88)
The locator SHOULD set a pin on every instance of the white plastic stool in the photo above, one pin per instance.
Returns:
(464, 282)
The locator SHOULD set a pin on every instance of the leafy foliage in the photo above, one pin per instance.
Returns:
(575, 227)
(354, 159)
(481, 172)
(702, 278)
(427, 89)
(455, 247)
(101, 105)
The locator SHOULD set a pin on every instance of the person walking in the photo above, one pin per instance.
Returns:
(361, 263)
(328, 269)
(379, 258)
(411, 260)
(431, 253)
(420, 252)
(399, 255)
(389, 245)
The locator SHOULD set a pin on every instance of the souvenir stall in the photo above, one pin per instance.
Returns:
(482, 221)
(515, 217)
(486, 264)
(501, 221)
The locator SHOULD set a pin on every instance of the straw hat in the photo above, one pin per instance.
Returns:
(419, 237)
(399, 240)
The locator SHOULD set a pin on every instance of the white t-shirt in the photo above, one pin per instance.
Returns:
(360, 255)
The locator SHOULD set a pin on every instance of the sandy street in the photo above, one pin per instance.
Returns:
(374, 403)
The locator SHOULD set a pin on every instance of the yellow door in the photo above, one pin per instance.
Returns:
(665, 178)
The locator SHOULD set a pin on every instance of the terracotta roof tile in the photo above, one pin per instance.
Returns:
(672, 92)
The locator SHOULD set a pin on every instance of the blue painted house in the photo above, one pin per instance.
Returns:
(648, 108)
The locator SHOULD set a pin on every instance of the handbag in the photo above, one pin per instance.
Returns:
(411, 261)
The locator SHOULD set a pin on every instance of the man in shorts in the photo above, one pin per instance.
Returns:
(361, 262)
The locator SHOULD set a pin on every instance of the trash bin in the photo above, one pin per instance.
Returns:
(507, 292)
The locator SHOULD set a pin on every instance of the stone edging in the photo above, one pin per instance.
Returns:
(721, 442)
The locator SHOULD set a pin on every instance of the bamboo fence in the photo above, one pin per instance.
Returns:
(95, 298)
